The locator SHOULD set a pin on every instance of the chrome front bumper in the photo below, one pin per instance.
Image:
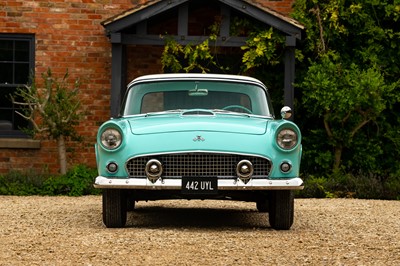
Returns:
(223, 184)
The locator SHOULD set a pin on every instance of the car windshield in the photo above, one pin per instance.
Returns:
(218, 96)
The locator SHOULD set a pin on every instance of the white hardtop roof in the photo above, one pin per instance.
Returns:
(198, 76)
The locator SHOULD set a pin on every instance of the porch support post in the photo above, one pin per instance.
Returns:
(183, 21)
(289, 72)
(118, 77)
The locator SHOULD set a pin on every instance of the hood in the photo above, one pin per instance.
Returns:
(169, 123)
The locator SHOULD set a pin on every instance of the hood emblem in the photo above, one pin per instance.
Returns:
(198, 138)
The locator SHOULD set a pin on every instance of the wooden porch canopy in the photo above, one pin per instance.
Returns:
(133, 27)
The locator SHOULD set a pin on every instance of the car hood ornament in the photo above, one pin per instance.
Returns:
(199, 138)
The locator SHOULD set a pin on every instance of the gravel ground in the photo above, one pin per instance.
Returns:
(69, 231)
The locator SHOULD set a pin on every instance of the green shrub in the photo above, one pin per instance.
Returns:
(391, 186)
(345, 185)
(76, 182)
(21, 184)
(342, 185)
(315, 187)
(367, 187)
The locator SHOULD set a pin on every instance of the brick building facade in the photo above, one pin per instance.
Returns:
(65, 35)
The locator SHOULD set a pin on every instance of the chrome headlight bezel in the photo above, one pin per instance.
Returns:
(110, 138)
(287, 138)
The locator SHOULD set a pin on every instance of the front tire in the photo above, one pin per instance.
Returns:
(114, 208)
(281, 209)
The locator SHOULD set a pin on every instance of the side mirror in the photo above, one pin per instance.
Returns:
(286, 112)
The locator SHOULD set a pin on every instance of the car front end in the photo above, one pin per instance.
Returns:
(217, 139)
(159, 160)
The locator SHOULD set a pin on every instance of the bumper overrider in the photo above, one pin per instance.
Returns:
(176, 184)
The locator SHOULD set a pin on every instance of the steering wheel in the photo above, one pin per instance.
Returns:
(237, 106)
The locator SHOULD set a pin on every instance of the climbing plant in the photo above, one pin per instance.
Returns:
(262, 47)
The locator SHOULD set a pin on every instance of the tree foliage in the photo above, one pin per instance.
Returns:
(53, 110)
(346, 98)
(350, 83)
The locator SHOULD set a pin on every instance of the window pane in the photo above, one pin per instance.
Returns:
(21, 73)
(15, 66)
(5, 114)
(10, 120)
(6, 50)
(22, 51)
(6, 73)
(6, 119)
(5, 97)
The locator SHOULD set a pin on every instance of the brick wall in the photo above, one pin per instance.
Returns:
(69, 36)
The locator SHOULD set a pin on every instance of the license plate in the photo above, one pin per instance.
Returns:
(200, 185)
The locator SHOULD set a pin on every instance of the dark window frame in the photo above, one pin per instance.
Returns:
(15, 131)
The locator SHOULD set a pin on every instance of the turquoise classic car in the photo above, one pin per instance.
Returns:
(198, 136)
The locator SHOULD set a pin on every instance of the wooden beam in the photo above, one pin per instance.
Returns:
(225, 22)
(141, 27)
(183, 20)
(118, 77)
(136, 39)
(289, 73)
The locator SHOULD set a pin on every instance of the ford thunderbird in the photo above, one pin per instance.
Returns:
(198, 136)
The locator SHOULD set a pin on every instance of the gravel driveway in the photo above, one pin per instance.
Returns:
(69, 231)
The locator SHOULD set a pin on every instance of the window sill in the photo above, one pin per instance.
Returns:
(14, 143)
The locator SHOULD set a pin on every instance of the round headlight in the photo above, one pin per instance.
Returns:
(287, 138)
(111, 138)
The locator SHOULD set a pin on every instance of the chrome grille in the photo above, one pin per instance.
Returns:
(198, 164)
